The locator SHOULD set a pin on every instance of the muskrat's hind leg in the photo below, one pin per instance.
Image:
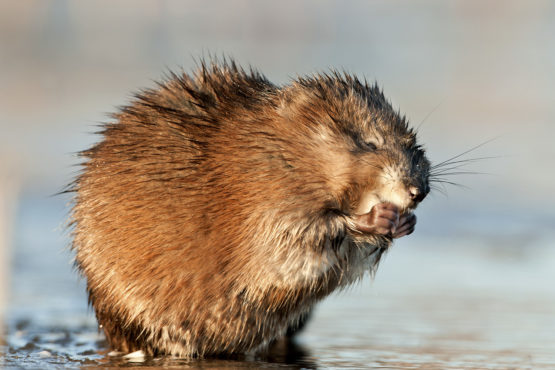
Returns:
(286, 349)
(292, 330)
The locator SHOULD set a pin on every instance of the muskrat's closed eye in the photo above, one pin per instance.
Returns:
(365, 145)
(369, 145)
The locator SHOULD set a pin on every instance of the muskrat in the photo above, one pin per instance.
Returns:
(218, 208)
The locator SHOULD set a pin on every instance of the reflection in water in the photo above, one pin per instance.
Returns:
(32, 346)
(289, 352)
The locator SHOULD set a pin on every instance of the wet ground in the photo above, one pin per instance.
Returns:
(439, 300)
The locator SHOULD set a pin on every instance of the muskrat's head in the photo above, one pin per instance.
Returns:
(365, 148)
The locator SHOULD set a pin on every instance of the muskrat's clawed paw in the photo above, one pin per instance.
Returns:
(406, 225)
(385, 219)
(382, 219)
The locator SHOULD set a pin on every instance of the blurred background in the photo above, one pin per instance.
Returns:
(474, 286)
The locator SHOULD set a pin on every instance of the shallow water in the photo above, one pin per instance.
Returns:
(437, 301)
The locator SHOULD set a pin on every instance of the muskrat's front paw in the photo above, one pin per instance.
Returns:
(406, 225)
(382, 219)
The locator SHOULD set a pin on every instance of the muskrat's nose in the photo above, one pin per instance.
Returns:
(416, 194)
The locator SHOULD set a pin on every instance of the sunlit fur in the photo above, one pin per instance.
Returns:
(217, 208)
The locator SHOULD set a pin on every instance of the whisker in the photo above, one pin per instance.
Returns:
(440, 190)
(463, 162)
(428, 116)
(458, 173)
(445, 169)
(463, 153)
(450, 183)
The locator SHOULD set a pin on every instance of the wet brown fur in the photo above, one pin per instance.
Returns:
(216, 210)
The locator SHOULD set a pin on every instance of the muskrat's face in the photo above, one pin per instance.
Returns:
(367, 150)
(388, 165)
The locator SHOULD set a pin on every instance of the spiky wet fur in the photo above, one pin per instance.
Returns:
(215, 211)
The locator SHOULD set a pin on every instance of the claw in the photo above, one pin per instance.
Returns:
(385, 219)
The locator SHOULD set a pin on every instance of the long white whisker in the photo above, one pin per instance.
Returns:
(463, 153)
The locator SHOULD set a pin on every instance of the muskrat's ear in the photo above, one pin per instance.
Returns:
(409, 140)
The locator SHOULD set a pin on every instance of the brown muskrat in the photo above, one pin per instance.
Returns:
(219, 208)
